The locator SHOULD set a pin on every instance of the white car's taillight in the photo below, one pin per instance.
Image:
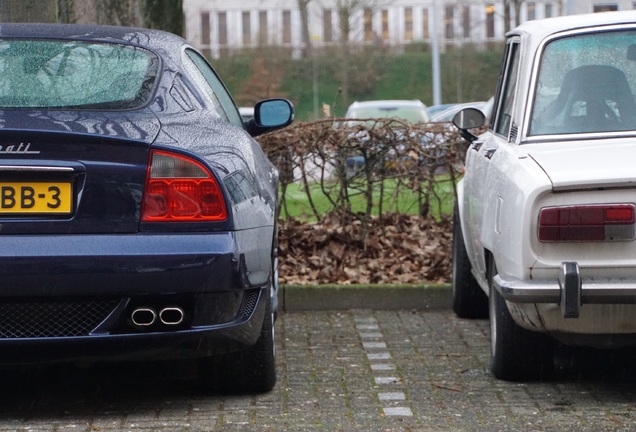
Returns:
(180, 189)
(608, 222)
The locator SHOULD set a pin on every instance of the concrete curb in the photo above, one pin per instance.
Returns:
(380, 297)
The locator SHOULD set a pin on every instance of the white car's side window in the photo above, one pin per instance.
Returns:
(503, 117)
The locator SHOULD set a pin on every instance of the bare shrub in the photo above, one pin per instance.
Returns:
(381, 243)
(347, 159)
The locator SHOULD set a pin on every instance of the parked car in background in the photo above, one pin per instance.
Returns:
(369, 113)
(545, 227)
(447, 115)
(137, 214)
(436, 109)
(413, 111)
(247, 113)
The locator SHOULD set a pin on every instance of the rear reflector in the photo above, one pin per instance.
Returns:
(181, 189)
(613, 222)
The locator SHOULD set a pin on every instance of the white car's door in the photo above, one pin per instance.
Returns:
(473, 202)
(480, 179)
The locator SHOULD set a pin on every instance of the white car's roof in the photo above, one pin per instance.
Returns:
(540, 29)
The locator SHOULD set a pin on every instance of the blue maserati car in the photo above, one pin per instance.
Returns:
(137, 212)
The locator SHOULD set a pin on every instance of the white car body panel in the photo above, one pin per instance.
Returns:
(493, 205)
(587, 164)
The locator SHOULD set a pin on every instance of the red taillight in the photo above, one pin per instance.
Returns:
(181, 189)
(612, 222)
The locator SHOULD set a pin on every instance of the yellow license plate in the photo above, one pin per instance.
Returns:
(32, 197)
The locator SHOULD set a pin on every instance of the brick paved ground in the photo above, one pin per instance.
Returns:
(338, 371)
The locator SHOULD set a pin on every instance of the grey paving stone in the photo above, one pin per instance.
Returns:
(327, 381)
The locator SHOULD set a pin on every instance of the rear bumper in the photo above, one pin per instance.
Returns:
(52, 286)
(151, 263)
(194, 342)
(97, 265)
(569, 290)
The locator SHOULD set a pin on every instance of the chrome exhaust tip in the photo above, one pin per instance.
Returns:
(171, 315)
(143, 317)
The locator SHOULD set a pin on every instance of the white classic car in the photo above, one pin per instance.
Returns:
(545, 233)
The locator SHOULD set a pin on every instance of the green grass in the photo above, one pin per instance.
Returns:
(396, 199)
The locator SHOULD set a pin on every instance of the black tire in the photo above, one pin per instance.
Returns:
(469, 300)
(517, 354)
(249, 371)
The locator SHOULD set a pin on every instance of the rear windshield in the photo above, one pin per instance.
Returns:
(586, 84)
(83, 75)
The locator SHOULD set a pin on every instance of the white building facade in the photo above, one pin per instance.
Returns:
(218, 27)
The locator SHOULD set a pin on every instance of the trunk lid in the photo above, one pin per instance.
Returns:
(587, 165)
(63, 172)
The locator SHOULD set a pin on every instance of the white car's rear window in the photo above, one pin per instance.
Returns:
(63, 74)
(586, 84)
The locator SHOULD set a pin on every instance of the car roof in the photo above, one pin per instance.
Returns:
(540, 29)
(148, 38)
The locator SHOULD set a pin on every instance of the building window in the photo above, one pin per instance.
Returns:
(262, 28)
(368, 25)
(222, 17)
(408, 24)
(466, 21)
(385, 25)
(530, 10)
(327, 25)
(605, 8)
(449, 22)
(247, 29)
(205, 28)
(549, 10)
(425, 24)
(490, 20)
(287, 37)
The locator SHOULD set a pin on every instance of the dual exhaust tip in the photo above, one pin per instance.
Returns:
(147, 316)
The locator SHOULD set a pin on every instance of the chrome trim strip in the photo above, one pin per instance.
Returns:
(35, 168)
(594, 291)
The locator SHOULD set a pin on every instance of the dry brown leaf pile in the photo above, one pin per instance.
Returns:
(397, 249)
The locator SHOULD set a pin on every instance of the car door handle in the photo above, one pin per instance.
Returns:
(489, 152)
(476, 145)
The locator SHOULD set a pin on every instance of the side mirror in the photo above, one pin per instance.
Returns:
(269, 115)
(469, 118)
(273, 113)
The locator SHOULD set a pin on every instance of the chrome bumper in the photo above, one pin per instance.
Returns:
(569, 290)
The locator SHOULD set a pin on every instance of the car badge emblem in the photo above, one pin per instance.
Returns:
(20, 149)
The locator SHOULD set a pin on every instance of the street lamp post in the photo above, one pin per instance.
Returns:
(437, 87)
